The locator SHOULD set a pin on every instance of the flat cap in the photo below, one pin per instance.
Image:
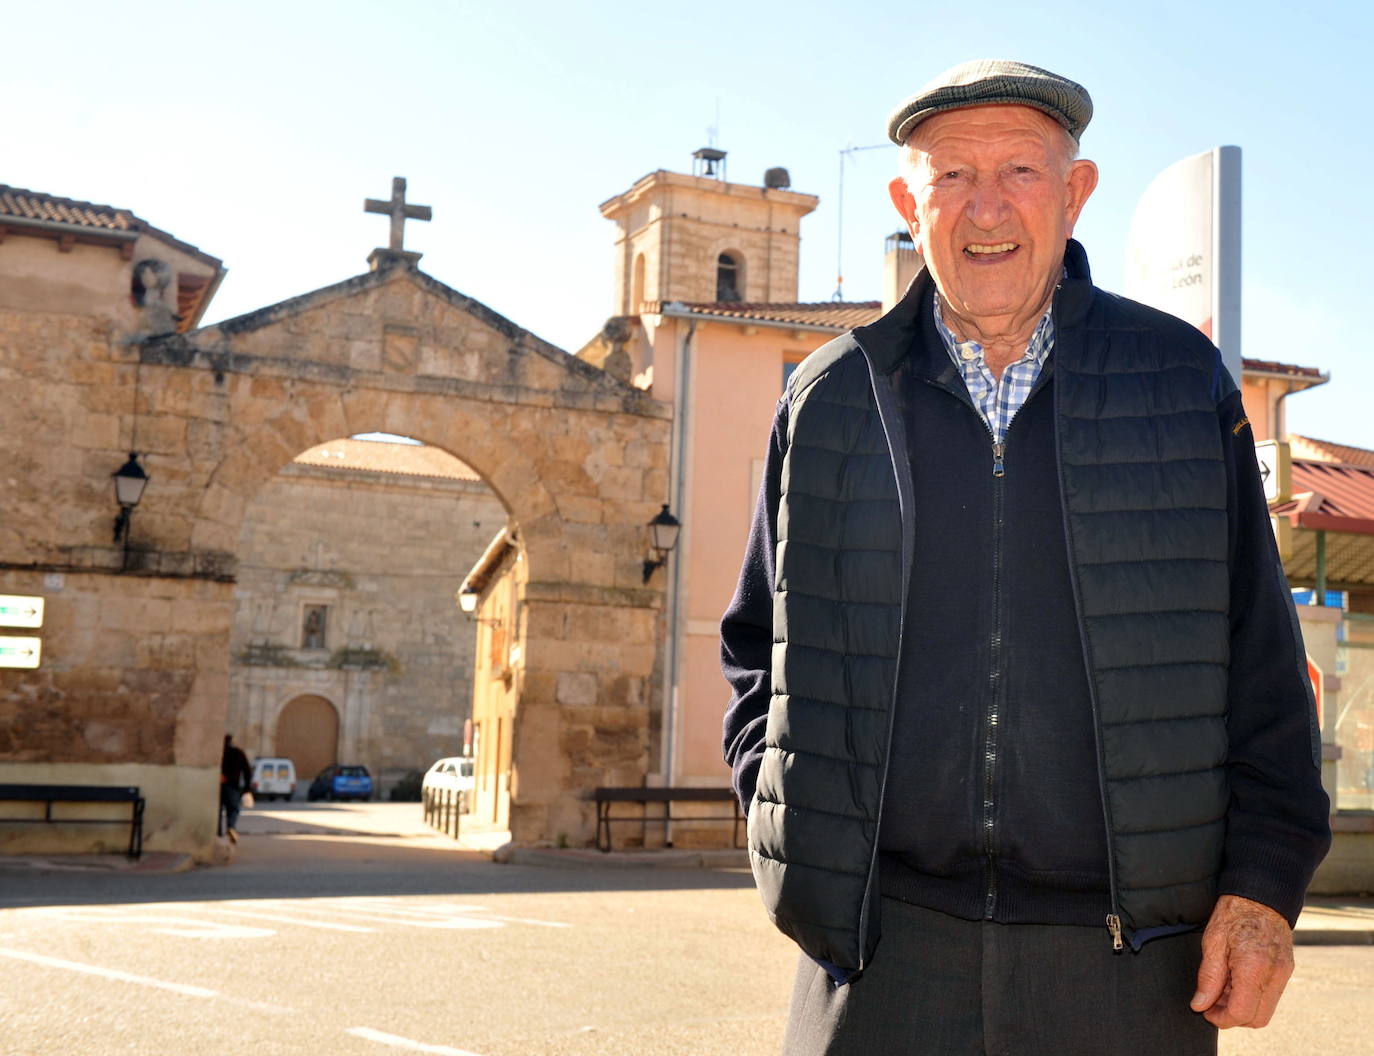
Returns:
(986, 81)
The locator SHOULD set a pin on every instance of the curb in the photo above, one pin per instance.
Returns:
(1333, 937)
(586, 858)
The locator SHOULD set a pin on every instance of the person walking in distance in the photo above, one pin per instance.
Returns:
(235, 778)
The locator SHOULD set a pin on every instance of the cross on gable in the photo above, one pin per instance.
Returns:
(399, 211)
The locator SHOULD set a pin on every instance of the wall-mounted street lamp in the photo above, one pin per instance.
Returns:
(468, 597)
(129, 481)
(663, 533)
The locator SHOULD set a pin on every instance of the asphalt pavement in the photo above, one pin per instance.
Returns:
(353, 930)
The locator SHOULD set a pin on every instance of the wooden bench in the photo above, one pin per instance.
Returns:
(50, 794)
(605, 797)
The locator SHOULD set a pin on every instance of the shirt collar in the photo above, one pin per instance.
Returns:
(965, 352)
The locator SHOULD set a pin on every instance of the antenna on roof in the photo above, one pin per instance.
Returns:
(838, 295)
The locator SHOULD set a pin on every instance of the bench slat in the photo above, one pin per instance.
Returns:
(70, 793)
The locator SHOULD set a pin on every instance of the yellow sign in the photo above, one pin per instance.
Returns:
(20, 610)
(20, 652)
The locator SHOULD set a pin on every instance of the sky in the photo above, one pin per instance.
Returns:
(254, 130)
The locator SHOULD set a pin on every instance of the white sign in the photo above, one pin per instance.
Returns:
(1183, 253)
(1276, 470)
(20, 610)
(20, 652)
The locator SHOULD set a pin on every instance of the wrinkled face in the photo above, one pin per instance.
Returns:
(991, 197)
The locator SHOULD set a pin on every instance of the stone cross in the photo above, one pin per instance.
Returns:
(398, 210)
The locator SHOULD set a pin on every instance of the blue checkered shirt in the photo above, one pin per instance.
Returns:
(998, 403)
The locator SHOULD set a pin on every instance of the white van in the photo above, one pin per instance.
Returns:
(274, 778)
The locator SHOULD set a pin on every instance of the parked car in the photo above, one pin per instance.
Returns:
(341, 782)
(455, 773)
(274, 778)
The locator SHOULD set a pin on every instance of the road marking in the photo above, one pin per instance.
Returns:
(283, 919)
(108, 973)
(183, 927)
(398, 921)
(447, 911)
(398, 1042)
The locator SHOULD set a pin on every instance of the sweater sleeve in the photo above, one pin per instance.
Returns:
(746, 631)
(1278, 824)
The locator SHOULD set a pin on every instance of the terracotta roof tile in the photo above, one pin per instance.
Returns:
(22, 204)
(833, 315)
(1269, 366)
(35, 205)
(1339, 496)
(375, 456)
(1307, 447)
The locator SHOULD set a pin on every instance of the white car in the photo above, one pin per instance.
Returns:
(452, 774)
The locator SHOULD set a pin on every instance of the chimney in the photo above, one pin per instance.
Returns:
(901, 262)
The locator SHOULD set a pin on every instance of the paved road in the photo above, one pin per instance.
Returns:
(350, 932)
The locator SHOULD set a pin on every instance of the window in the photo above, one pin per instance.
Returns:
(729, 278)
(314, 623)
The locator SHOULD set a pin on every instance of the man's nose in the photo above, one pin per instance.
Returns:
(987, 205)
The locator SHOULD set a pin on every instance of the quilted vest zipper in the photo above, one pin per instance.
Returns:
(1113, 922)
(993, 717)
(895, 432)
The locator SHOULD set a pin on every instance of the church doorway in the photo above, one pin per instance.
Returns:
(308, 734)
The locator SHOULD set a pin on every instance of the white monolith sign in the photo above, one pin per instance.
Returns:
(1183, 253)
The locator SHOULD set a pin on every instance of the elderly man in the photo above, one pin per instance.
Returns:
(1019, 705)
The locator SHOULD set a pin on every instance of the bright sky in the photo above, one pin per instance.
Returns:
(255, 130)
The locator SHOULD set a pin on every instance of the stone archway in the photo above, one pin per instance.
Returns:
(308, 734)
(578, 458)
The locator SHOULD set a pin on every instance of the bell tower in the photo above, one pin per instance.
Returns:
(701, 239)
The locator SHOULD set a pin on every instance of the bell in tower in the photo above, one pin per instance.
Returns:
(709, 162)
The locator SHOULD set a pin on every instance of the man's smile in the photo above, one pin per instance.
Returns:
(990, 250)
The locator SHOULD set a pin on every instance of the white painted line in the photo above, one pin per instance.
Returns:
(284, 919)
(400, 921)
(368, 1034)
(108, 973)
(528, 920)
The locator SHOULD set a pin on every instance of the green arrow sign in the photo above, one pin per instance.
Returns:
(20, 610)
(20, 652)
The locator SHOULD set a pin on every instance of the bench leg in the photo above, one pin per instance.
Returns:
(136, 831)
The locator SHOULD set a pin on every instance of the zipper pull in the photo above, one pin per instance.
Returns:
(1114, 926)
(998, 450)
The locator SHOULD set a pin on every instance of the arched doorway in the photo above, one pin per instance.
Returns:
(308, 734)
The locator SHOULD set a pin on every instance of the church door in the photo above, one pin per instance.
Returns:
(308, 735)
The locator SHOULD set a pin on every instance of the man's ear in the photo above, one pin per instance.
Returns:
(1081, 182)
(905, 202)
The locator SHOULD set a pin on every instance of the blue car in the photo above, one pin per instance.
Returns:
(341, 782)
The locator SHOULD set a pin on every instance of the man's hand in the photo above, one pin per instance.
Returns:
(1247, 957)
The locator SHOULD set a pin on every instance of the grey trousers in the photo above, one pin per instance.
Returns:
(940, 986)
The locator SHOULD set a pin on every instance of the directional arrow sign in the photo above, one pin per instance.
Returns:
(20, 610)
(20, 652)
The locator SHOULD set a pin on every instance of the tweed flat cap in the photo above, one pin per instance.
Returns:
(985, 81)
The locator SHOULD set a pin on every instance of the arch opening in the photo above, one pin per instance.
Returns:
(350, 561)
